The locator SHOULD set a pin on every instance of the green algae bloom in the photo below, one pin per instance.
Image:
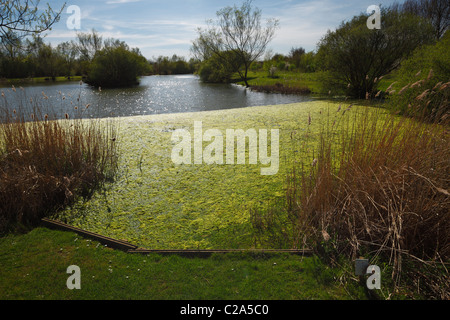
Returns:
(157, 204)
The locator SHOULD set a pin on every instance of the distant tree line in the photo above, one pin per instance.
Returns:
(102, 62)
(296, 60)
(164, 65)
(34, 58)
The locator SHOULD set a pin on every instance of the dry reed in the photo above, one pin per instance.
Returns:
(46, 163)
(387, 193)
(378, 186)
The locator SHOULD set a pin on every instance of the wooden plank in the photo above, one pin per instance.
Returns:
(303, 252)
(113, 243)
(131, 248)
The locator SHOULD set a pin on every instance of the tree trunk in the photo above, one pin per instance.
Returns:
(245, 77)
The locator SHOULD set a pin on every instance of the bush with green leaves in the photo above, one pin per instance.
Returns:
(115, 67)
(356, 56)
(219, 68)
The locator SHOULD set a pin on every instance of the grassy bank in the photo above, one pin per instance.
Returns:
(36, 80)
(298, 82)
(33, 266)
(294, 82)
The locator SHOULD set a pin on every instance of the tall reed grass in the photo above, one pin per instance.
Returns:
(377, 186)
(47, 162)
(426, 99)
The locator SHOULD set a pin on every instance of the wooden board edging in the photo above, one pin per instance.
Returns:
(131, 248)
(206, 252)
(113, 243)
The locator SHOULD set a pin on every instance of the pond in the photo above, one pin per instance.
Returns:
(154, 95)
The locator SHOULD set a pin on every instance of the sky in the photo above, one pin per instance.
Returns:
(169, 27)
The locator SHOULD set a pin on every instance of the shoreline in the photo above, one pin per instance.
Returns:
(39, 80)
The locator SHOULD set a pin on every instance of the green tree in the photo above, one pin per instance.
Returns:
(295, 56)
(357, 56)
(67, 52)
(219, 69)
(116, 67)
(237, 30)
(437, 12)
(89, 44)
(308, 62)
(47, 61)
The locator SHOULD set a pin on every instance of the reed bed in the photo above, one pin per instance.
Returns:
(377, 186)
(47, 162)
(426, 99)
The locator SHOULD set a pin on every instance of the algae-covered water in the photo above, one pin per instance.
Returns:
(157, 204)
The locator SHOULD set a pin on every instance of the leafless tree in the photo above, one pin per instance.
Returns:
(89, 44)
(21, 18)
(239, 31)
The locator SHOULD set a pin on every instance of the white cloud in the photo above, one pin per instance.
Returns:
(120, 1)
(153, 25)
(303, 24)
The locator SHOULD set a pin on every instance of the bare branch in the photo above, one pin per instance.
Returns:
(19, 19)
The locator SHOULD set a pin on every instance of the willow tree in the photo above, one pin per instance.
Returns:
(238, 30)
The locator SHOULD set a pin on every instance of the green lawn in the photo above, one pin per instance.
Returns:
(37, 80)
(313, 81)
(34, 267)
(287, 78)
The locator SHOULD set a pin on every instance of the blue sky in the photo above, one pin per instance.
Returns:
(168, 27)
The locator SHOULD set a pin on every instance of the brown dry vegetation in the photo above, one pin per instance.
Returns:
(378, 187)
(45, 163)
(386, 194)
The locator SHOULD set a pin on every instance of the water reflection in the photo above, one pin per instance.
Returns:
(154, 95)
